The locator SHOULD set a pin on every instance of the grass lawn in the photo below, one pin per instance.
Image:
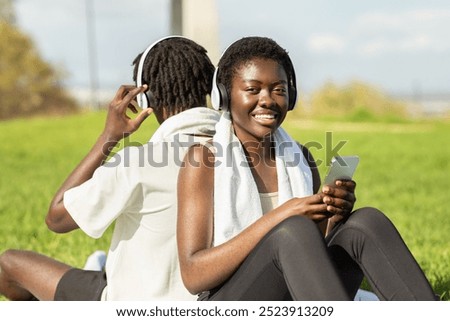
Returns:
(404, 170)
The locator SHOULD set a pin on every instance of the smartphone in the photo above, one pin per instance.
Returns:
(341, 167)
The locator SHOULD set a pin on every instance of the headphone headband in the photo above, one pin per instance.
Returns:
(144, 99)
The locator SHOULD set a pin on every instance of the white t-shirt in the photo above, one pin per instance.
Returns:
(137, 189)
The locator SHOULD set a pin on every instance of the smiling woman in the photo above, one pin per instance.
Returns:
(255, 228)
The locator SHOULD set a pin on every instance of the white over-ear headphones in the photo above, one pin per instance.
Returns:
(145, 99)
(219, 95)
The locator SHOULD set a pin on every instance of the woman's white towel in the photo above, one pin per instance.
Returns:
(236, 197)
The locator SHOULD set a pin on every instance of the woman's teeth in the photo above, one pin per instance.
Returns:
(265, 116)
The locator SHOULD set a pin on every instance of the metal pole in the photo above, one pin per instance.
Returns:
(176, 17)
(92, 53)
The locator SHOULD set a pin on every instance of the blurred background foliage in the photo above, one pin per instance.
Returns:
(28, 84)
(356, 101)
(31, 86)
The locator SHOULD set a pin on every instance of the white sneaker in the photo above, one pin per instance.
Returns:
(96, 261)
(363, 295)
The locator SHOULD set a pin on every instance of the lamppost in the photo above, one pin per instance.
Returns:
(92, 53)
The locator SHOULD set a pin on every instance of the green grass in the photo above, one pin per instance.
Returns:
(36, 155)
(404, 171)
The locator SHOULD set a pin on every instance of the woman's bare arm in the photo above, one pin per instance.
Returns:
(202, 266)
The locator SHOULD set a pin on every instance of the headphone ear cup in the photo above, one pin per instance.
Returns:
(151, 101)
(142, 100)
(224, 100)
(215, 92)
(292, 97)
(146, 100)
(215, 98)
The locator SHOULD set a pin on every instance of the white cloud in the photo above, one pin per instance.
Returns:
(385, 33)
(407, 20)
(374, 47)
(420, 42)
(416, 42)
(410, 31)
(326, 43)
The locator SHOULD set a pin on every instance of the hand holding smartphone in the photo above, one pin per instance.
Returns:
(341, 167)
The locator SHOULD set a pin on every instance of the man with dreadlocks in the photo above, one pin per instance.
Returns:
(135, 189)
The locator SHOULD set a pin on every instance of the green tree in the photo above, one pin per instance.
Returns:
(28, 84)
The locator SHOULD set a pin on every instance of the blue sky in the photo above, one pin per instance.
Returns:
(399, 46)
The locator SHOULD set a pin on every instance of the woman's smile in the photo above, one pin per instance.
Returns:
(265, 117)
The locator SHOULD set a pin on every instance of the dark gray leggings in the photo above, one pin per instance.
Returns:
(292, 262)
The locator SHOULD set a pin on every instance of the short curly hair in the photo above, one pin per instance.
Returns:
(249, 48)
(178, 73)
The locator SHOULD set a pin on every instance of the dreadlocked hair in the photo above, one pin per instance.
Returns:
(247, 49)
(178, 73)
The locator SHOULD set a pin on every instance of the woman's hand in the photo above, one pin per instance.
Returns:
(311, 207)
(118, 124)
(340, 199)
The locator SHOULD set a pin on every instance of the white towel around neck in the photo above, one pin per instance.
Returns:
(236, 197)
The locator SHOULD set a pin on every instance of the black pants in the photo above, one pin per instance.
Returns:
(294, 262)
